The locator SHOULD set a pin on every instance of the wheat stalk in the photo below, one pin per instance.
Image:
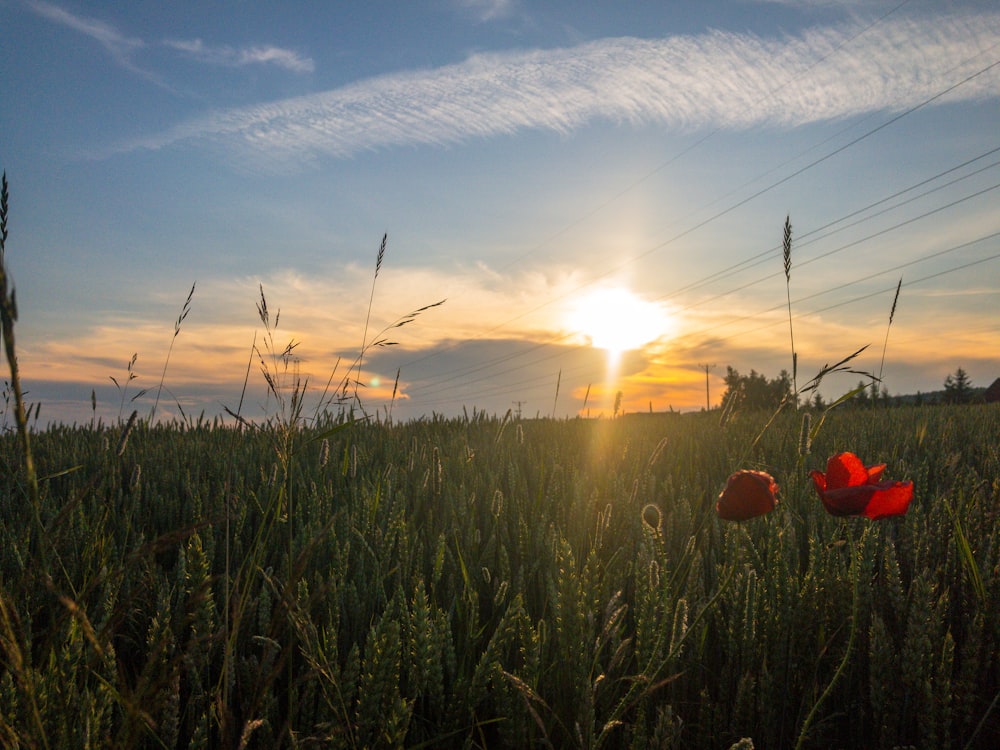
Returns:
(368, 315)
(786, 250)
(395, 390)
(885, 343)
(177, 329)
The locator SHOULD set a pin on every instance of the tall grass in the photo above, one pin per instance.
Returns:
(456, 583)
(181, 317)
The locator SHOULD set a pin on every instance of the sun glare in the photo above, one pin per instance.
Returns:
(617, 320)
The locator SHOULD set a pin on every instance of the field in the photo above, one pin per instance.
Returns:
(487, 582)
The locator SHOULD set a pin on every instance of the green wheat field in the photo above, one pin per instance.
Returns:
(488, 582)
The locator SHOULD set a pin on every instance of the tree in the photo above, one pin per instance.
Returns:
(755, 391)
(958, 388)
(879, 396)
(861, 397)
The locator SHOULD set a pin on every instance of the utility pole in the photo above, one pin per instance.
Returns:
(708, 403)
(519, 404)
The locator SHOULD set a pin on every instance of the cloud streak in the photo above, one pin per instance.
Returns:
(122, 48)
(117, 44)
(488, 10)
(718, 79)
(232, 57)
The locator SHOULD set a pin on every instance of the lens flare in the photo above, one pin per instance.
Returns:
(617, 320)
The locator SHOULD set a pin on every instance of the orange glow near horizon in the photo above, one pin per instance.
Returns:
(658, 388)
(602, 341)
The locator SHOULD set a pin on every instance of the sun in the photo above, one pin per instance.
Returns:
(618, 320)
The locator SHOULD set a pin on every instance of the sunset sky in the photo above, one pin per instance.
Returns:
(597, 190)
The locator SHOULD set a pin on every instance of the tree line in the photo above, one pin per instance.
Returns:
(756, 391)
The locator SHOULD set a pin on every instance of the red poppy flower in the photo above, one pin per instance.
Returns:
(850, 489)
(748, 494)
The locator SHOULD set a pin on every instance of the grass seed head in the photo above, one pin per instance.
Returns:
(805, 438)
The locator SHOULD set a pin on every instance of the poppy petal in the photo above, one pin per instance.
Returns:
(748, 494)
(819, 481)
(848, 501)
(875, 473)
(845, 470)
(889, 499)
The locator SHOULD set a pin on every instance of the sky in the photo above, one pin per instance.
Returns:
(594, 192)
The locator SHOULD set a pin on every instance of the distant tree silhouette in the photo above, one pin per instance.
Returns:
(881, 396)
(755, 391)
(958, 388)
(861, 397)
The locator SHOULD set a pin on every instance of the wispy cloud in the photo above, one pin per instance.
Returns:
(488, 10)
(122, 48)
(718, 79)
(839, 4)
(234, 57)
(117, 44)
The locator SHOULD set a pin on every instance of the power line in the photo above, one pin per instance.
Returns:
(485, 365)
(841, 287)
(854, 243)
(766, 255)
(546, 378)
(732, 207)
(439, 386)
(511, 386)
(859, 298)
(533, 250)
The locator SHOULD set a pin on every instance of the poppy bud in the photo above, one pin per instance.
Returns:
(748, 494)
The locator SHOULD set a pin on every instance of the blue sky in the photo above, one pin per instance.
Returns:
(532, 163)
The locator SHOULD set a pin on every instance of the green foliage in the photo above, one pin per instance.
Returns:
(958, 388)
(755, 391)
(490, 582)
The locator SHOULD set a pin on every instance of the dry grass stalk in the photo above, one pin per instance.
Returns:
(368, 315)
(786, 249)
(892, 314)
(805, 439)
(555, 401)
(8, 314)
(177, 329)
(123, 440)
(123, 389)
